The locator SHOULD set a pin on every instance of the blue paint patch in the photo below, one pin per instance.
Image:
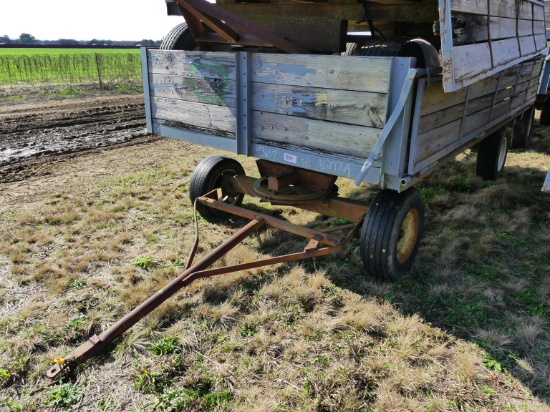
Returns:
(296, 69)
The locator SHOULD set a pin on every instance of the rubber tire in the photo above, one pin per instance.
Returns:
(545, 113)
(380, 48)
(352, 49)
(491, 155)
(523, 129)
(208, 175)
(179, 38)
(382, 230)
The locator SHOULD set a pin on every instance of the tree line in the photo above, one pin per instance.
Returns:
(29, 39)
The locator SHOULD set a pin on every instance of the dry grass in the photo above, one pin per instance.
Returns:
(468, 330)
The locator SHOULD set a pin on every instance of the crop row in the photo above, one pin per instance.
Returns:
(105, 70)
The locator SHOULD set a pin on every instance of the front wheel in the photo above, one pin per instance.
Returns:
(211, 174)
(391, 233)
(491, 155)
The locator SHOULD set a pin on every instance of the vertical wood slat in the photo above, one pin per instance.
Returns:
(495, 34)
(454, 120)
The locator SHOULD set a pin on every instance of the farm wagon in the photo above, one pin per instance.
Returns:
(381, 92)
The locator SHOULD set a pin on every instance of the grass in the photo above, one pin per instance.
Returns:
(71, 69)
(467, 330)
(5, 51)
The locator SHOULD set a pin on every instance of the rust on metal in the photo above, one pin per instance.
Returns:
(321, 242)
(201, 13)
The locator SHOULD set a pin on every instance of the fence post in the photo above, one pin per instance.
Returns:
(98, 70)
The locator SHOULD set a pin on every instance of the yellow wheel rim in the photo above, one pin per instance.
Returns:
(408, 235)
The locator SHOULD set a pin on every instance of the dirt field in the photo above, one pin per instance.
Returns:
(36, 133)
(95, 216)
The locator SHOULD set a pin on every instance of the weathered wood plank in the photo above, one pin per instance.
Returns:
(527, 45)
(314, 134)
(473, 28)
(540, 41)
(331, 72)
(471, 60)
(192, 64)
(200, 90)
(450, 114)
(498, 8)
(435, 140)
(195, 115)
(344, 106)
(436, 128)
(476, 58)
(435, 99)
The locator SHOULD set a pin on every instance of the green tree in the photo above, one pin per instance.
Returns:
(5, 40)
(26, 38)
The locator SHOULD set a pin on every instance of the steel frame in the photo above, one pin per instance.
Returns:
(320, 243)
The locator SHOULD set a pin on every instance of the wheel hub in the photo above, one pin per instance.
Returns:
(408, 235)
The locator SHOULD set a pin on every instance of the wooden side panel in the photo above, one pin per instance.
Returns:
(329, 104)
(481, 38)
(448, 119)
(323, 103)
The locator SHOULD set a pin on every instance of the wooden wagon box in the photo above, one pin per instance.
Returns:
(373, 119)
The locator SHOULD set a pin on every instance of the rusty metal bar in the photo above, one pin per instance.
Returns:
(348, 209)
(200, 270)
(215, 24)
(96, 343)
(243, 25)
(327, 239)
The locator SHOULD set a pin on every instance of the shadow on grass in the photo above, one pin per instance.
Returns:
(483, 270)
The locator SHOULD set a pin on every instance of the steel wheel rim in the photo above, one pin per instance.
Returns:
(502, 152)
(408, 235)
(219, 182)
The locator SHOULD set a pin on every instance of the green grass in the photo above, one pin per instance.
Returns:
(61, 51)
(66, 68)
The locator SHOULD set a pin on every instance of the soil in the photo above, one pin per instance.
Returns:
(36, 133)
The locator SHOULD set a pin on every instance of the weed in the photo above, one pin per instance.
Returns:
(492, 363)
(78, 284)
(174, 399)
(166, 345)
(63, 396)
(248, 329)
(5, 376)
(150, 381)
(11, 405)
(145, 262)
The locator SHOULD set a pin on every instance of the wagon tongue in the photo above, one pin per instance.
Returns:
(320, 242)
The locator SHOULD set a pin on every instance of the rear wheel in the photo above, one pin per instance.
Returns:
(380, 48)
(523, 129)
(545, 113)
(179, 38)
(391, 233)
(210, 174)
(491, 155)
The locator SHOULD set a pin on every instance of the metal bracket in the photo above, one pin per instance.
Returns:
(390, 124)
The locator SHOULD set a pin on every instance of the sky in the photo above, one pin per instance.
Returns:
(86, 20)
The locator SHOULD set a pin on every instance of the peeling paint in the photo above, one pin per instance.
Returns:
(546, 185)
